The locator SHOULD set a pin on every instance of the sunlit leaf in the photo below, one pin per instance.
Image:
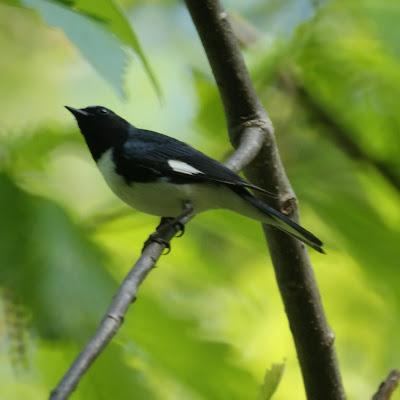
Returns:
(29, 151)
(117, 22)
(272, 379)
(362, 101)
(206, 368)
(95, 42)
(126, 381)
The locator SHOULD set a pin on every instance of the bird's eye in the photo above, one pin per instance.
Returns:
(102, 111)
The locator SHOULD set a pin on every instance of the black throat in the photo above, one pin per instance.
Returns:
(99, 143)
(102, 134)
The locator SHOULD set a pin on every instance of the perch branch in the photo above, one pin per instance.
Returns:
(243, 109)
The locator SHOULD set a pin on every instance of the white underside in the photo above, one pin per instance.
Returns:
(165, 199)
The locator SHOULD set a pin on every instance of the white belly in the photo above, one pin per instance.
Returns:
(159, 198)
(165, 199)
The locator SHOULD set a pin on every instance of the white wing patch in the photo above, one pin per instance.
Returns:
(183, 168)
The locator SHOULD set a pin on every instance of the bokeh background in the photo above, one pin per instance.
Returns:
(208, 321)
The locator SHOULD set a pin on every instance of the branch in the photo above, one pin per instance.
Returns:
(344, 140)
(243, 109)
(113, 318)
(388, 386)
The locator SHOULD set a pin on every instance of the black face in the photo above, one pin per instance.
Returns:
(101, 128)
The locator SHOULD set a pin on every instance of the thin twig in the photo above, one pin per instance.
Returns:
(112, 320)
(243, 109)
(387, 387)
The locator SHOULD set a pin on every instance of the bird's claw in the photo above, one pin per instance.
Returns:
(155, 237)
(167, 221)
(181, 229)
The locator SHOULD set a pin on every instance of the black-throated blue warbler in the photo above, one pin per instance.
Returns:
(157, 174)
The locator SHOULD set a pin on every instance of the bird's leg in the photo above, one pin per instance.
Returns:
(155, 237)
(166, 221)
(169, 222)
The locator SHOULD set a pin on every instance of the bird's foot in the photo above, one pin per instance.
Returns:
(181, 228)
(168, 222)
(155, 238)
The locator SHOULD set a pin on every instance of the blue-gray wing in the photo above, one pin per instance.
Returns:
(147, 156)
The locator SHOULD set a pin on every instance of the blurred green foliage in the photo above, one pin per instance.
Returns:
(209, 321)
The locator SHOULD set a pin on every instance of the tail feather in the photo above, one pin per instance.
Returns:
(283, 223)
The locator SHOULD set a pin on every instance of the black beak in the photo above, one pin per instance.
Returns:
(77, 112)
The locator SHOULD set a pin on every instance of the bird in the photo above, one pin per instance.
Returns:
(162, 176)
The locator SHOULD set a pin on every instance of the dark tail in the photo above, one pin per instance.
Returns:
(282, 222)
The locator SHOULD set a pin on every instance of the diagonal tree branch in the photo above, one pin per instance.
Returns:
(112, 320)
(344, 139)
(312, 336)
(388, 386)
(250, 145)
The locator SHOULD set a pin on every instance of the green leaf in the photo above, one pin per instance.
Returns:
(102, 49)
(49, 266)
(205, 368)
(210, 117)
(11, 2)
(27, 151)
(271, 381)
(88, 24)
(128, 382)
(117, 22)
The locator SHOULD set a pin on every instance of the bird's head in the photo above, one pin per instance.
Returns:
(101, 128)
